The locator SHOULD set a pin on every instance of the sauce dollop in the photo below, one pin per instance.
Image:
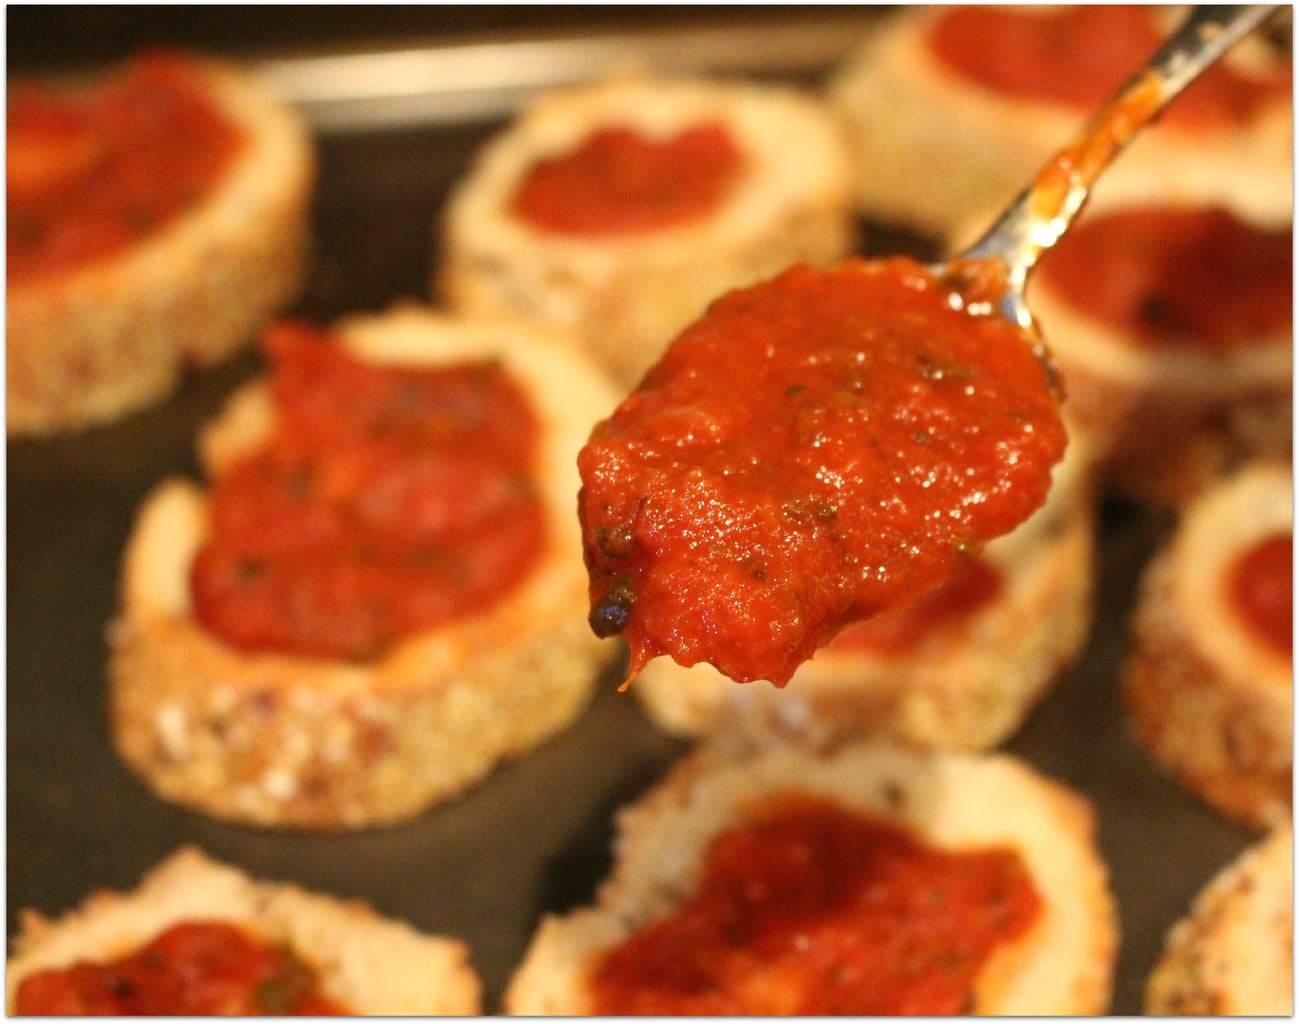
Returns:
(814, 450)
(1082, 55)
(974, 586)
(1260, 585)
(1177, 276)
(619, 181)
(811, 909)
(196, 968)
(388, 500)
(92, 172)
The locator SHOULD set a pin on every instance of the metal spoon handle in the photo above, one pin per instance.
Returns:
(1042, 213)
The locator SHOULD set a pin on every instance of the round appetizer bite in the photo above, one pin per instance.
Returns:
(380, 595)
(951, 109)
(960, 667)
(866, 879)
(1172, 327)
(1209, 680)
(155, 220)
(742, 511)
(622, 208)
(1233, 954)
(201, 938)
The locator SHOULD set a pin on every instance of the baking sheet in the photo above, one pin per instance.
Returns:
(534, 836)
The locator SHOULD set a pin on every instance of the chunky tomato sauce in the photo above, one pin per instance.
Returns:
(388, 500)
(974, 586)
(816, 449)
(92, 172)
(620, 181)
(1082, 55)
(1174, 276)
(1261, 588)
(197, 968)
(812, 909)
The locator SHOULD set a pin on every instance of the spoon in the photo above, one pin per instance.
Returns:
(1043, 211)
(742, 511)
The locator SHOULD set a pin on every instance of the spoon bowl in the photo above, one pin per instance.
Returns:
(833, 442)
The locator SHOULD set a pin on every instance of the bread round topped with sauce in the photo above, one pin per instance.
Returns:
(1172, 327)
(1208, 681)
(380, 594)
(621, 208)
(952, 109)
(1233, 953)
(155, 220)
(960, 668)
(199, 937)
(860, 879)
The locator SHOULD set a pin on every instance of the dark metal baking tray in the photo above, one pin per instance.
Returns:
(534, 836)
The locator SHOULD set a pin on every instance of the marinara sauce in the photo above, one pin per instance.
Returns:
(620, 181)
(388, 500)
(196, 968)
(812, 909)
(1082, 55)
(92, 172)
(1260, 586)
(974, 586)
(1177, 276)
(814, 450)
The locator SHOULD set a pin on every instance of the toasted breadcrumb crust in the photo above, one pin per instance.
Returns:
(965, 687)
(371, 964)
(109, 338)
(1064, 965)
(628, 297)
(283, 740)
(1233, 954)
(910, 119)
(1209, 703)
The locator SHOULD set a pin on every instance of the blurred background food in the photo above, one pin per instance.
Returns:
(399, 101)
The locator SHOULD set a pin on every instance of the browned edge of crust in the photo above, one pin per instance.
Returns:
(1233, 952)
(1208, 721)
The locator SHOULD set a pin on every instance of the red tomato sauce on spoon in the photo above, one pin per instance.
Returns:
(814, 450)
